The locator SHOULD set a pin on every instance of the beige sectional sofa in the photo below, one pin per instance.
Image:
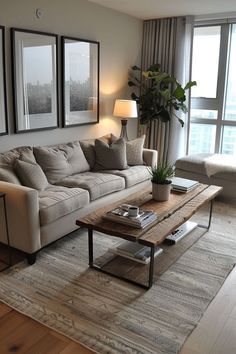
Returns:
(47, 188)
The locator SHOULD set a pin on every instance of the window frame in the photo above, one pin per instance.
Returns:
(217, 103)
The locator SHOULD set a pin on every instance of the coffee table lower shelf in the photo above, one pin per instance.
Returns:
(92, 265)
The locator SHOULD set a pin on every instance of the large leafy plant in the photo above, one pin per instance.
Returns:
(158, 94)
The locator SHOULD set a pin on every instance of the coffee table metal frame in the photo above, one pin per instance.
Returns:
(149, 284)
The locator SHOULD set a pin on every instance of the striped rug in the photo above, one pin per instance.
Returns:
(112, 316)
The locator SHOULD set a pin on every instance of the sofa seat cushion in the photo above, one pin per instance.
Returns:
(97, 184)
(56, 201)
(132, 176)
(194, 163)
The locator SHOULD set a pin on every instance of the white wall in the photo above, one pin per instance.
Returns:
(120, 47)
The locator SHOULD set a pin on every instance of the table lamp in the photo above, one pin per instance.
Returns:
(125, 109)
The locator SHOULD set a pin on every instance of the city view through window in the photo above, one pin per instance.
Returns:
(213, 102)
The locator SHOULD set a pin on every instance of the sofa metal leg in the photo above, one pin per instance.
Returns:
(31, 258)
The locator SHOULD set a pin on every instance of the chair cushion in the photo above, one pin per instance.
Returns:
(196, 165)
(7, 162)
(134, 151)
(97, 184)
(55, 202)
(110, 157)
(193, 163)
(61, 160)
(133, 175)
(31, 175)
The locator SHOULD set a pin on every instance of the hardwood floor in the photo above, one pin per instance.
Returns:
(21, 334)
(215, 333)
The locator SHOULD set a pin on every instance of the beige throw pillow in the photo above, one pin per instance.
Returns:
(7, 175)
(7, 162)
(110, 157)
(134, 151)
(31, 175)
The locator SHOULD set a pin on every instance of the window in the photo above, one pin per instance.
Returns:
(213, 102)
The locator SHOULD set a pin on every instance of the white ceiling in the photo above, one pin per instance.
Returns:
(147, 9)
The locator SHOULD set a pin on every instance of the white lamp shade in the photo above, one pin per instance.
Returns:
(125, 109)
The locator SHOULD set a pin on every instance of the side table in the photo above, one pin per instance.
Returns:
(3, 198)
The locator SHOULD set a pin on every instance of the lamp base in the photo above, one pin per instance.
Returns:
(123, 133)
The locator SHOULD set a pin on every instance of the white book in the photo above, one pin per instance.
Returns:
(183, 184)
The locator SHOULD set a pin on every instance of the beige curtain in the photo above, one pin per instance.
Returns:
(162, 44)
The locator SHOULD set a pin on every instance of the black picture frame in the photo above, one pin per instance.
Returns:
(3, 91)
(35, 80)
(80, 73)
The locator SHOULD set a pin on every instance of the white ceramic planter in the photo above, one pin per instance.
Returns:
(161, 192)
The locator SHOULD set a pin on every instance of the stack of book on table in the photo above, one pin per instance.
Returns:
(143, 219)
(135, 251)
(183, 184)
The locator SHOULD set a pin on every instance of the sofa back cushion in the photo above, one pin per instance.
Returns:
(31, 175)
(62, 160)
(7, 163)
(110, 157)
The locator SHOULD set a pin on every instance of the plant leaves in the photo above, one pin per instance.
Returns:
(164, 115)
(179, 93)
(161, 76)
(135, 67)
(134, 97)
(160, 94)
(190, 84)
(161, 172)
(181, 121)
(155, 67)
(165, 94)
(131, 83)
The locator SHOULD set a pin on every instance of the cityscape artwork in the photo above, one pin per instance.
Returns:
(80, 81)
(35, 80)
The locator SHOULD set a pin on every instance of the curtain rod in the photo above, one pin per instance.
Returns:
(227, 17)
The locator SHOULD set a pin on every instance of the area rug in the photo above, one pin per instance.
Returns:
(111, 316)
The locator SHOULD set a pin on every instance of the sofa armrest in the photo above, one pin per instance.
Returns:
(150, 157)
(23, 217)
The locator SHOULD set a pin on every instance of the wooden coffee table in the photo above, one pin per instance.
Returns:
(171, 214)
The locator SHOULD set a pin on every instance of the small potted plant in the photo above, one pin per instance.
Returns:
(161, 184)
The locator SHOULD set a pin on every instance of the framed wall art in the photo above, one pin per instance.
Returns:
(80, 81)
(3, 100)
(35, 80)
